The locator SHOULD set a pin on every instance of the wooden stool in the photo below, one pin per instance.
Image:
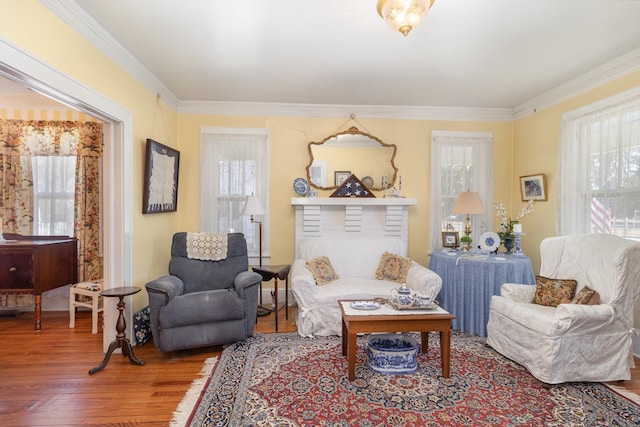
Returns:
(86, 294)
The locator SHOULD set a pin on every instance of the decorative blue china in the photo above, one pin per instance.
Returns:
(392, 353)
(402, 295)
(365, 305)
(489, 241)
(301, 187)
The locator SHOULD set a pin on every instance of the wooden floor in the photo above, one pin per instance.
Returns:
(44, 378)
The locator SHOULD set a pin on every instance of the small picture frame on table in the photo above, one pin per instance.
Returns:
(340, 176)
(450, 239)
(533, 187)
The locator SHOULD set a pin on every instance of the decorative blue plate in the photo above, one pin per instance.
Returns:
(489, 241)
(301, 187)
(364, 305)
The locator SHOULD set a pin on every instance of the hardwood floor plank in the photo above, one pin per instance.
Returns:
(45, 380)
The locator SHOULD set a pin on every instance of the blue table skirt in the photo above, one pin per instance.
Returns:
(468, 285)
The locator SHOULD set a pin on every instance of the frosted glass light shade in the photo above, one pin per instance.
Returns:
(403, 15)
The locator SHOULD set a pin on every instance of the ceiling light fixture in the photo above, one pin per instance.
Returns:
(404, 15)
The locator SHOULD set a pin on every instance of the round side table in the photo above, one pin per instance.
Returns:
(121, 340)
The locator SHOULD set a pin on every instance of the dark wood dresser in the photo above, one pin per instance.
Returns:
(36, 264)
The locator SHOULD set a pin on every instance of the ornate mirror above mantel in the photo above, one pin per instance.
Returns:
(351, 152)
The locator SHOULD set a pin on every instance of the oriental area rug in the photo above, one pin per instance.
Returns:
(286, 380)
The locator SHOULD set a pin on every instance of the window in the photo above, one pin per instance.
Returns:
(460, 161)
(53, 194)
(234, 165)
(599, 168)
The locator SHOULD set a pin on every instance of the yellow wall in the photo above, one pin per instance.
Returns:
(289, 137)
(34, 29)
(537, 140)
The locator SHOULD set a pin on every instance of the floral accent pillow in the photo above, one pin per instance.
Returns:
(322, 270)
(586, 296)
(393, 267)
(552, 292)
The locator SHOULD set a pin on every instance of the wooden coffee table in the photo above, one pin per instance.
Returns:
(386, 319)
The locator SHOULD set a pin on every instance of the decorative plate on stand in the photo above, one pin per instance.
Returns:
(301, 187)
(489, 241)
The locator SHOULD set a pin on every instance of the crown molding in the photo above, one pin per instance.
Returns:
(327, 110)
(79, 20)
(605, 73)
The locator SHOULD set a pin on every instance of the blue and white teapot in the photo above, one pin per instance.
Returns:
(402, 295)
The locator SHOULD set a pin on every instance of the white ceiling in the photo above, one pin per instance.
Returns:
(467, 53)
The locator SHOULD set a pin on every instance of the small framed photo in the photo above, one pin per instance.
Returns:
(340, 176)
(450, 239)
(160, 178)
(533, 187)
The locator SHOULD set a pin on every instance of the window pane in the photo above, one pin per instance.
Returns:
(54, 192)
(600, 172)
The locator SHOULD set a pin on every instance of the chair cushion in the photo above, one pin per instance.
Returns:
(393, 267)
(202, 307)
(94, 286)
(322, 270)
(587, 296)
(552, 292)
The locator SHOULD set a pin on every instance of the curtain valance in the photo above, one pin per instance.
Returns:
(50, 138)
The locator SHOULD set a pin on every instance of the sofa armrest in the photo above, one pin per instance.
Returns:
(584, 319)
(303, 285)
(163, 289)
(244, 281)
(518, 292)
(423, 281)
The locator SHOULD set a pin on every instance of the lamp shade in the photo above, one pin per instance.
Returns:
(253, 206)
(468, 202)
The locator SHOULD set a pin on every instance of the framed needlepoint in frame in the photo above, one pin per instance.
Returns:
(160, 192)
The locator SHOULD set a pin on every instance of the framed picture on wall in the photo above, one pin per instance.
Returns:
(533, 187)
(450, 239)
(340, 176)
(160, 192)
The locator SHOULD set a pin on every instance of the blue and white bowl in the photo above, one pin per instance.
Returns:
(392, 353)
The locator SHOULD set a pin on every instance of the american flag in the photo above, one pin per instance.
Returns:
(600, 217)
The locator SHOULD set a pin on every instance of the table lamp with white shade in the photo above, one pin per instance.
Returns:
(468, 203)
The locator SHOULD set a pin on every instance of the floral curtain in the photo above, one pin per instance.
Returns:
(19, 141)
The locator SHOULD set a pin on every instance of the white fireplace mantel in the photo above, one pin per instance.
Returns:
(352, 216)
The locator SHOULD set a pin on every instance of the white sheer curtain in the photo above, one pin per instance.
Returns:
(599, 168)
(234, 164)
(460, 161)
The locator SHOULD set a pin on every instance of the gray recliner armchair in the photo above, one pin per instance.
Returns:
(204, 302)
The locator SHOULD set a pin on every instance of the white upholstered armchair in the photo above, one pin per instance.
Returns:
(573, 342)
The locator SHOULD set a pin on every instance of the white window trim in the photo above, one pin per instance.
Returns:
(208, 205)
(479, 223)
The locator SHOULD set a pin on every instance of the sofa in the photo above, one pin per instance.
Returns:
(355, 262)
(562, 335)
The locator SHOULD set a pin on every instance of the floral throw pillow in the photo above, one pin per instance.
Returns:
(322, 270)
(587, 296)
(552, 292)
(393, 267)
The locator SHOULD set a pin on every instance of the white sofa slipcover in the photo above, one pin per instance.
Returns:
(355, 260)
(573, 342)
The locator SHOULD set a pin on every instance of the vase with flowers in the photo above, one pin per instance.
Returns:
(506, 223)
